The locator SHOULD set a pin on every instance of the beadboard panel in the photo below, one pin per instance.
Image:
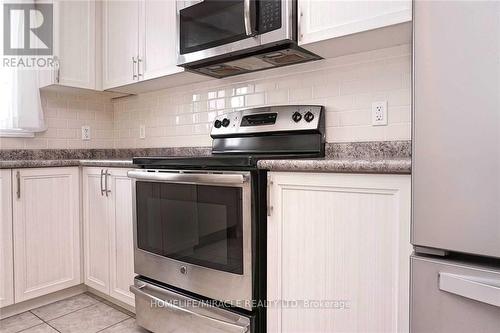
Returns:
(46, 231)
(339, 238)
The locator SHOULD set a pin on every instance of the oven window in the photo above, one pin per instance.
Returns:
(197, 224)
(211, 23)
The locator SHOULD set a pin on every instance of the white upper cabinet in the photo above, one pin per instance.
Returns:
(158, 39)
(76, 46)
(46, 219)
(327, 20)
(338, 237)
(120, 42)
(6, 259)
(140, 47)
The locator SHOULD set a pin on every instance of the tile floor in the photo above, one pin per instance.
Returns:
(83, 313)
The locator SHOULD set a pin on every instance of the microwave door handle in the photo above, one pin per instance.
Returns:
(139, 291)
(247, 16)
(189, 178)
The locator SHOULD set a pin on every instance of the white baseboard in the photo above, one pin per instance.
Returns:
(111, 299)
(34, 303)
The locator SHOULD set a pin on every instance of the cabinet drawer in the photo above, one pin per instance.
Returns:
(453, 297)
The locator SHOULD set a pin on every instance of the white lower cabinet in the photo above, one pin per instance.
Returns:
(6, 256)
(338, 250)
(108, 232)
(46, 230)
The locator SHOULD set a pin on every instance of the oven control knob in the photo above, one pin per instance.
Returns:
(309, 116)
(225, 122)
(296, 117)
(217, 123)
(183, 270)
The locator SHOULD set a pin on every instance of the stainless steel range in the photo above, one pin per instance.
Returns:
(200, 222)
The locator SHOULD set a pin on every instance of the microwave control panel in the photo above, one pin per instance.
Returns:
(269, 15)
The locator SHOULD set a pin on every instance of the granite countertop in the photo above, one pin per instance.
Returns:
(15, 164)
(347, 165)
(386, 157)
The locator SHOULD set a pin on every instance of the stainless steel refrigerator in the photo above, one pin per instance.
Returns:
(455, 271)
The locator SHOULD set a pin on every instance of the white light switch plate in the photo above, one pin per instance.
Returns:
(379, 113)
(85, 132)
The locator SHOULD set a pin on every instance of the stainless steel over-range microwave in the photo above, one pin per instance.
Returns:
(222, 38)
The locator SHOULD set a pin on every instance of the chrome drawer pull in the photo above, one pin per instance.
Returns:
(479, 289)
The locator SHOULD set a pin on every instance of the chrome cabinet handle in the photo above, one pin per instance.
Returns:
(139, 74)
(106, 174)
(102, 189)
(18, 180)
(139, 291)
(134, 62)
(479, 289)
(189, 178)
(269, 207)
(247, 17)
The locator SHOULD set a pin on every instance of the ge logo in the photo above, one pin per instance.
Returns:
(27, 29)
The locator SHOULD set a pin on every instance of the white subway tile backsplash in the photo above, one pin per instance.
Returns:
(65, 113)
(279, 96)
(182, 115)
(346, 86)
(299, 94)
(255, 99)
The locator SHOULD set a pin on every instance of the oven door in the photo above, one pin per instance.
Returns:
(213, 28)
(192, 230)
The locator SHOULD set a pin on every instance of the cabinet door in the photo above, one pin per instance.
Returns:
(321, 20)
(158, 39)
(75, 43)
(121, 237)
(96, 224)
(120, 42)
(46, 231)
(341, 241)
(6, 264)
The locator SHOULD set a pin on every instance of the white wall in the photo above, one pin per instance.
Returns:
(182, 116)
(347, 86)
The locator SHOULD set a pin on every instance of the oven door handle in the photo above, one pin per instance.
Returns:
(138, 290)
(189, 178)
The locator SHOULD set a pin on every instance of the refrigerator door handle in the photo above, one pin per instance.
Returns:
(479, 289)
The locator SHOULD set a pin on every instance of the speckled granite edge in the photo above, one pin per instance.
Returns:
(14, 164)
(98, 154)
(369, 150)
(11, 164)
(390, 166)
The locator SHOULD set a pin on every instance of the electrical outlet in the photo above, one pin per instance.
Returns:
(85, 132)
(142, 131)
(379, 113)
